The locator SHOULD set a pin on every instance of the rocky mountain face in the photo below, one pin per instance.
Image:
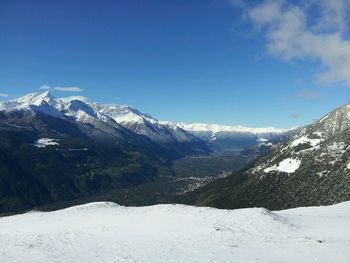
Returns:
(313, 168)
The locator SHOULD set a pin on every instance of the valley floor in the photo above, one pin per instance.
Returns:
(106, 232)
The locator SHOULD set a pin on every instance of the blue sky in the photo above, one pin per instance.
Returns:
(254, 63)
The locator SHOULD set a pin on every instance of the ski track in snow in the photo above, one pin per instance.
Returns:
(106, 232)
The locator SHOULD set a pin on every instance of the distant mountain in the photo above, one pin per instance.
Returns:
(313, 168)
(181, 138)
(165, 133)
(224, 138)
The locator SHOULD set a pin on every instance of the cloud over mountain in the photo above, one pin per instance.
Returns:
(312, 30)
(63, 89)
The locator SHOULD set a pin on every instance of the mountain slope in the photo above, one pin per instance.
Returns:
(313, 168)
(106, 232)
(45, 159)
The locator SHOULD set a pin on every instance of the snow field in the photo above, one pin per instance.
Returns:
(106, 232)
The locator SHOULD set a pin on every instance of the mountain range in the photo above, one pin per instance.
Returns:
(217, 137)
(62, 149)
(226, 138)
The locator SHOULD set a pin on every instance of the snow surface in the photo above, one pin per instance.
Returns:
(288, 165)
(106, 232)
(43, 142)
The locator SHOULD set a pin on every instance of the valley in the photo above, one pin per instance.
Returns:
(70, 151)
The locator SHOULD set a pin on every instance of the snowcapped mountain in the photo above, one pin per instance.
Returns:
(46, 159)
(80, 110)
(224, 137)
(72, 107)
(312, 168)
(144, 124)
(324, 145)
(37, 102)
(216, 128)
(54, 150)
(197, 135)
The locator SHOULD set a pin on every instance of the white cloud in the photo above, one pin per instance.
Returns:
(64, 89)
(333, 15)
(292, 33)
(45, 87)
(3, 95)
(69, 89)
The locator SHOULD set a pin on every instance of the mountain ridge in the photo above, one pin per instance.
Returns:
(311, 169)
(219, 137)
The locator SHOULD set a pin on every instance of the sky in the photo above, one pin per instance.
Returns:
(254, 63)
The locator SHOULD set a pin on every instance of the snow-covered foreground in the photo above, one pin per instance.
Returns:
(106, 232)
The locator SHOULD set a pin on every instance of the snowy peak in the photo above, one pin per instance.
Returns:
(328, 127)
(79, 109)
(124, 114)
(32, 99)
(76, 107)
(38, 102)
(335, 121)
(319, 150)
(145, 124)
(36, 99)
